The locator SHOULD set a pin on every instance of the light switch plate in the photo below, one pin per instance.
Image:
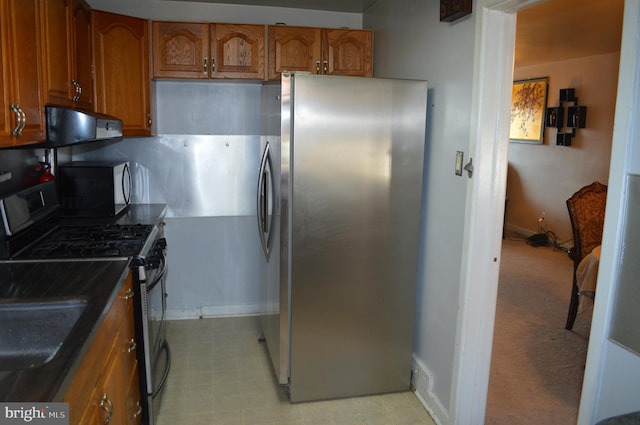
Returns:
(459, 160)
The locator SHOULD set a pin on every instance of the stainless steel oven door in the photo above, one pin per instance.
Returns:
(156, 307)
(155, 358)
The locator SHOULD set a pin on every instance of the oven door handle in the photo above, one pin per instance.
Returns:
(159, 278)
(165, 374)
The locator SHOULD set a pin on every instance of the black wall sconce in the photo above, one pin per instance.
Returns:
(576, 117)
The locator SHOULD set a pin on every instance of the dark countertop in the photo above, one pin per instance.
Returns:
(135, 214)
(97, 281)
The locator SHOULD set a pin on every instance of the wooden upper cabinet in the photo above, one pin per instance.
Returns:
(294, 49)
(180, 50)
(66, 38)
(320, 51)
(237, 51)
(203, 50)
(57, 39)
(5, 113)
(121, 51)
(22, 113)
(348, 52)
(83, 55)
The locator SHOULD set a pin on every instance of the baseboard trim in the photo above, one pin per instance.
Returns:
(209, 312)
(422, 382)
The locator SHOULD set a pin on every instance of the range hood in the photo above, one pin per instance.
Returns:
(67, 126)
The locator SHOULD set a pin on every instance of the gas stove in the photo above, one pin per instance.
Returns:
(89, 241)
(32, 231)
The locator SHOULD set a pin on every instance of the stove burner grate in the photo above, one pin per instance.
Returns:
(90, 241)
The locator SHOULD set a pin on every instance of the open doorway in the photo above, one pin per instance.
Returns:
(534, 284)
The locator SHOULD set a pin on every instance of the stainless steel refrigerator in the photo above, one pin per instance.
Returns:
(339, 207)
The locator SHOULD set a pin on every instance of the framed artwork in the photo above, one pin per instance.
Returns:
(450, 10)
(528, 104)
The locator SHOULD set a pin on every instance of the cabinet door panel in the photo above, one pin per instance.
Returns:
(122, 72)
(83, 52)
(349, 52)
(237, 51)
(113, 390)
(26, 68)
(5, 113)
(180, 50)
(57, 57)
(294, 49)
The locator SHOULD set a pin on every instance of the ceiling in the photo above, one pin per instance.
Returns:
(567, 29)
(548, 32)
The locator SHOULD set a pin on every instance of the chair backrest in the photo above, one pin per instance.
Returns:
(586, 212)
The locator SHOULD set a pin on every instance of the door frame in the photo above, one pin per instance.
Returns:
(488, 144)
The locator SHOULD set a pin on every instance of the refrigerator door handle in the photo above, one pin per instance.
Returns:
(265, 200)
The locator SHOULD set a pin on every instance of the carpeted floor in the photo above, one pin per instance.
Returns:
(537, 366)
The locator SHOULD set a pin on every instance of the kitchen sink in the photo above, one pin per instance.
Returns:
(32, 331)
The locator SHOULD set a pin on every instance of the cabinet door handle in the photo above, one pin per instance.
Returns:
(24, 120)
(132, 345)
(317, 67)
(325, 67)
(77, 89)
(21, 119)
(213, 64)
(204, 70)
(107, 406)
(138, 411)
(129, 294)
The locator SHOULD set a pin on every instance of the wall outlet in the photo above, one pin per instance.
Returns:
(542, 216)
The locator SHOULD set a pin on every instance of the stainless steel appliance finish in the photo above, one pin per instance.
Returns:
(66, 126)
(26, 207)
(349, 201)
(196, 176)
(154, 356)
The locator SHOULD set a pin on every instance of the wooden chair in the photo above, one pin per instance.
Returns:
(586, 212)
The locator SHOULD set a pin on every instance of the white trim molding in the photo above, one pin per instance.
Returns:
(422, 382)
(491, 99)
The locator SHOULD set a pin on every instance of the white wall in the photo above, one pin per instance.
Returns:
(543, 177)
(227, 13)
(411, 42)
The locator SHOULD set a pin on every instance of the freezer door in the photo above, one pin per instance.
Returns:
(355, 169)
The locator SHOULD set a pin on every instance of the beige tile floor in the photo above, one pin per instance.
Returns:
(221, 375)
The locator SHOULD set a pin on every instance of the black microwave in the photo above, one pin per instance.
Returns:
(94, 189)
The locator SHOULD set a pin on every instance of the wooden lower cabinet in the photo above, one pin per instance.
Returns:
(105, 389)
